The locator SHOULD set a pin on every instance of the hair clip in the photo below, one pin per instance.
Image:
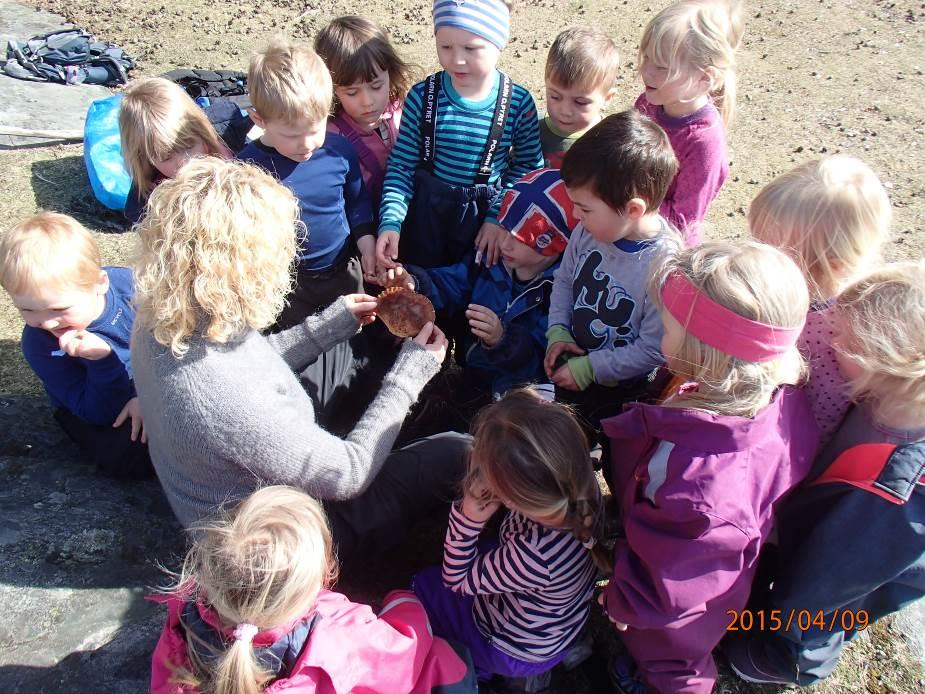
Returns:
(589, 543)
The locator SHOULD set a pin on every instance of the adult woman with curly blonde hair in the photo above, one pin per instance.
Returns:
(224, 411)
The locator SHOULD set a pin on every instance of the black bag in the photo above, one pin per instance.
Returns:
(68, 56)
(222, 94)
(209, 83)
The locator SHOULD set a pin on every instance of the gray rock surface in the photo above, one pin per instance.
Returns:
(38, 105)
(78, 553)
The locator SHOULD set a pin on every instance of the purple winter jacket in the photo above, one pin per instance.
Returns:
(698, 493)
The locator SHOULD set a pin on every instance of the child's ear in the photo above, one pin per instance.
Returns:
(712, 77)
(636, 208)
(258, 121)
(102, 284)
(608, 97)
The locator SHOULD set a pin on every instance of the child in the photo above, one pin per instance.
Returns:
(78, 321)
(251, 612)
(852, 541)
(687, 64)
(161, 127)
(520, 605)
(833, 216)
(507, 305)
(291, 93)
(698, 477)
(370, 84)
(454, 152)
(600, 318)
(581, 69)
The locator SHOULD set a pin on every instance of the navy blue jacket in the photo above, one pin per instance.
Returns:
(517, 359)
(96, 391)
(849, 546)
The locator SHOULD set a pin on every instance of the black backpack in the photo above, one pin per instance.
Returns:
(68, 56)
(222, 94)
(210, 83)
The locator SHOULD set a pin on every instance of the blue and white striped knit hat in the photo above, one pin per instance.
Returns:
(490, 19)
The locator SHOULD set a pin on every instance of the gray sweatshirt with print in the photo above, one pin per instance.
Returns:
(599, 295)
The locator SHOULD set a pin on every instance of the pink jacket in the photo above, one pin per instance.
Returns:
(697, 493)
(348, 649)
(372, 152)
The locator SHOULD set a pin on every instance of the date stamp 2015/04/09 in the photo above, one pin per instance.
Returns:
(781, 620)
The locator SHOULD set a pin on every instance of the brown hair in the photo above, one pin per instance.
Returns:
(625, 156)
(157, 119)
(355, 49)
(48, 249)
(534, 454)
(289, 83)
(583, 57)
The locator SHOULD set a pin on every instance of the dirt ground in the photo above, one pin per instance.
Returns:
(816, 77)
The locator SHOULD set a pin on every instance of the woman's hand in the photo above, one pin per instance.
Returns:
(363, 307)
(432, 339)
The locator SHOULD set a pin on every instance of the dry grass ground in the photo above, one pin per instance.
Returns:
(816, 77)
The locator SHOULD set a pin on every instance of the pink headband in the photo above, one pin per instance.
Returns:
(722, 328)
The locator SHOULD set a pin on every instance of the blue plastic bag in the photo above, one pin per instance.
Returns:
(103, 153)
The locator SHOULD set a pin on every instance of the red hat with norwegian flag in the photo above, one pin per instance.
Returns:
(538, 212)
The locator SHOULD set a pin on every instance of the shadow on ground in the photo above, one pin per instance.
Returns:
(79, 553)
(62, 185)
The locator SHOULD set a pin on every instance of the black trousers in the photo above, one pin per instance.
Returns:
(416, 482)
(443, 220)
(315, 291)
(111, 450)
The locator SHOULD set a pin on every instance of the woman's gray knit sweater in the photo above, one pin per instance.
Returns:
(229, 417)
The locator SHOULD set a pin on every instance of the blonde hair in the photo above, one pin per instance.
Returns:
(832, 215)
(262, 563)
(534, 455)
(289, 84)
(882, 319)
(757, 282)
(355, 49)
(157, 119)
(583, 58)
(48, 250)
(218, 244)
(698, 34)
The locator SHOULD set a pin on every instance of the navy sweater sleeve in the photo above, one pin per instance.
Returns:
(95, 391)
(357, 204)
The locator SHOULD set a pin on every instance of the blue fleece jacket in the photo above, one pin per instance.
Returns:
(96, 391)
(523, 308)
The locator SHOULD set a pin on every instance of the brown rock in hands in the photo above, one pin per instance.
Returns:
(404, 311)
